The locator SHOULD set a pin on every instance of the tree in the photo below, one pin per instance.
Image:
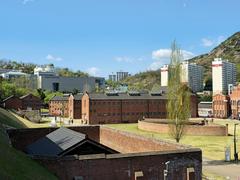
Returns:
(178, 105)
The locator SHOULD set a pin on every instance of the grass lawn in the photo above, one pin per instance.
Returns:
(13, 163)
(212, 146)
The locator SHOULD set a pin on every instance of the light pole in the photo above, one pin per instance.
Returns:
(235, 144)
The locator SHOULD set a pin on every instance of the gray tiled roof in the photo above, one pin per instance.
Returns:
(56, 143)
(126, 96)
(78, 96)
(59, 98)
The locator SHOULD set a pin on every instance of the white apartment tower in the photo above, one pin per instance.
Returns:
(164, 75)
(223, 74)
(192, 75)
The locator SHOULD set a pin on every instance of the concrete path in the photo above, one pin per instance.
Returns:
(228, 170)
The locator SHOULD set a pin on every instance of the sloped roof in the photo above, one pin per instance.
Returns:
(63, 141)
(59, 98)
(12, 96)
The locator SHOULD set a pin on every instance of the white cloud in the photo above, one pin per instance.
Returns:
(162, 56)
(127, 59)
(206, 42)
(27, 1)
(165, 54)
(53, 58)
(93, 71)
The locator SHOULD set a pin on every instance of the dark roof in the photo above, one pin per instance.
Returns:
(205, 105)
(56, 142)
(126, 96)
(8, 98)
(64, 141)
(78, 96)
(59, 98)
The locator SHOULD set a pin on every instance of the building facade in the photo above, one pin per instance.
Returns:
(221, 106)
(192, 75)
(59, 106)
(223, 74)
(112, 77)
(12, 102)
(126, 108)
(164, 75)
(122, 75)
(75, 106)
(235, 102)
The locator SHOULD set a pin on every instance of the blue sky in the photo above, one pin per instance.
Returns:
(104, 36)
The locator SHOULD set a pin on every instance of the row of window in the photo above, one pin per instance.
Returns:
(128, 102)
(132, 114)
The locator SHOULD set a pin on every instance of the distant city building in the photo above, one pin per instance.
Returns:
(192, 75)
(112, 77)
(122, 75)
(48, 79)
(223, 74)
(164, 75)
(13, 74)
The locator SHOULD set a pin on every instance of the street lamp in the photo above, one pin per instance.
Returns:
(235, 144)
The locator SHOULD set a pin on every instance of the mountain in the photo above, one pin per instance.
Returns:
(228, 49)
(144, 80)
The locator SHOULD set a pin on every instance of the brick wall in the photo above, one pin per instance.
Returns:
(31, 101)
(20, 138)
(13, 103)
(235, 102)
(221, 106)
(125, 142)
(198, 130)
(127, 166)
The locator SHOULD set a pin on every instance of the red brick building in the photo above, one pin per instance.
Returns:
(12, 102)
(30, 101)
(75, 106)
(221, 106)
(235, 102)
(59, 105)
(129, 108)
(25, 102)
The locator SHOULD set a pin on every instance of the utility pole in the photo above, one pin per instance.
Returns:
(235, 145)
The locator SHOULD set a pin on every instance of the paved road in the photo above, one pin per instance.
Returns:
(230, 171)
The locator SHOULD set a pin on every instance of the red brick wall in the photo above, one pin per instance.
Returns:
(235, 105)
(31, 101)
(127, 110)
(13, 103)
(125, 142)
(198, 130)
(55, 107)
(124, 167)
(85, 109)
(221, 106)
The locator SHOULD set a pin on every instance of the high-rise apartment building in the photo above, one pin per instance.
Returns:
(122, 75)
(164, 75)
(112, 77)
(192, 75)
(223, 74)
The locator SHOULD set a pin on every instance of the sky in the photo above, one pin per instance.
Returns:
(105, 36)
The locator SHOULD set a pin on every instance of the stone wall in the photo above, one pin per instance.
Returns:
(198, 130)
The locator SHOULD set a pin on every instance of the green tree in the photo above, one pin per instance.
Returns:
(178, 105)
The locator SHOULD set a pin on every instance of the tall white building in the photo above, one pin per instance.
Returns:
(192, 75)
(164, 75)
(223, 74)
(122, 75)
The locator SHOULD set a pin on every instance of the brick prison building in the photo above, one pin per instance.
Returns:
(126, 108)
(59, 105)
(67, 105)
(235, 102)
(25, 102)
(221, 106)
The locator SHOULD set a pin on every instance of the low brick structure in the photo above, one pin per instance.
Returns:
(25, 102)
(75, 106)
(59, 106)
(221, 106)
(139, 157)
(196, 130)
